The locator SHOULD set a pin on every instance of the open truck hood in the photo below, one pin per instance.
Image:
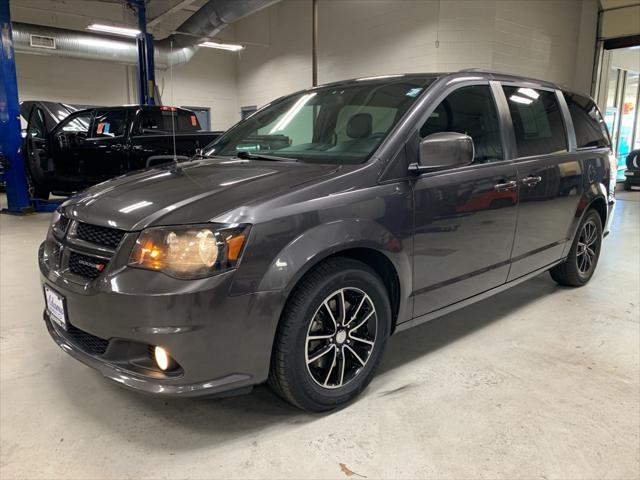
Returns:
(194, 192)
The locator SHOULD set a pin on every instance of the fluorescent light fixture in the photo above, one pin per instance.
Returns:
(529, 92)
(127, 32)
(519, 99)
(223, 46)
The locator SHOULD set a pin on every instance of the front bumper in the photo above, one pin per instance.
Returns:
(222, 343)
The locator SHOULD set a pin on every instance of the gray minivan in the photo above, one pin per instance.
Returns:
(296, 244)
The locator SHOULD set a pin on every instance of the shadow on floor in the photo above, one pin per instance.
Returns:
(174, 425)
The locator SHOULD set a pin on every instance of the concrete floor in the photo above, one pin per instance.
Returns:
(537, 382)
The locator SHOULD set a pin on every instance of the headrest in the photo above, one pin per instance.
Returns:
(359, 125)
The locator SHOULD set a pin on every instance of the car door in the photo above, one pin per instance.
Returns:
(35, 145)
(549, 177)
(464, 218)
(104, 152)
(66, 140)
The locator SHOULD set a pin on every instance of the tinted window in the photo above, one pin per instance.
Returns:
(537, 121)
(588, 124)
(340, 124)
(109, 123)
(472, 111)
(79, 123)
(160, 120)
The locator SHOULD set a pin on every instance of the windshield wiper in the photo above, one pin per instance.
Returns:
(243, 154)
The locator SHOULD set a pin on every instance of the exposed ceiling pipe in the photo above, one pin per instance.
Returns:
(207, 22)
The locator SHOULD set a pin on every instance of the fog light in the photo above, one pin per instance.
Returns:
(162, 358)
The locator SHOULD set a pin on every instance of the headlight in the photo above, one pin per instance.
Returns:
(193, 251)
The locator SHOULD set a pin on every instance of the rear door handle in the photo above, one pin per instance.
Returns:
(503, 187)
(531, 180)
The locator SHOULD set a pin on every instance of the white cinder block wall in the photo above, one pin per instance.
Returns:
(277, 59)
(208, 80)
(548, 39)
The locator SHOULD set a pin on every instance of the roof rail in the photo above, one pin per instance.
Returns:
(484, 70)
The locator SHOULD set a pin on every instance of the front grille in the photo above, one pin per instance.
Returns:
(109, 237)
(89, 343)
(56, 251)
(62, 224)
(86, 266)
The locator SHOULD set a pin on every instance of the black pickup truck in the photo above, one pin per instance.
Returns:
(96, 144)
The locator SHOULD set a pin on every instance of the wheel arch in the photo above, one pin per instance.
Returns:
(595, 197)
(599, 205)
(361, 240)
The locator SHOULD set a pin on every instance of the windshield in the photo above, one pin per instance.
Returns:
(338, 124)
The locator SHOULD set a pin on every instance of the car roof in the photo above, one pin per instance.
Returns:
(466, 73)
(130, 107)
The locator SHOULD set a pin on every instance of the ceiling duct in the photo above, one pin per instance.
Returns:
(176, 49)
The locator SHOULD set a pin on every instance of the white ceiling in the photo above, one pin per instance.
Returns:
(163, 16)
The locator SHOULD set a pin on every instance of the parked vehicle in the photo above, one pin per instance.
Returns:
(94, 145)
(394, 200)
(632, 173)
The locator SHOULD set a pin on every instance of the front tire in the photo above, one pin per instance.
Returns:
(331, 336)
(583, 257)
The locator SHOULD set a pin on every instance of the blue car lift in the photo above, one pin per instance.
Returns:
(146, 67)
(12, 168)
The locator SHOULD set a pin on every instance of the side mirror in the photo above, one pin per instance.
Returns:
(443, 150)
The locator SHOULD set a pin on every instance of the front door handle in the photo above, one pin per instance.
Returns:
(531, 180)
(503, 187)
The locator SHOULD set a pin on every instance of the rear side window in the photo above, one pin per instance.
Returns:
(537, 121)
(159, 120)
(472, 111)
(109, 123)
(591, 131)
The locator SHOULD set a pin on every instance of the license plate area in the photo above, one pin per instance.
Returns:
(56, 307)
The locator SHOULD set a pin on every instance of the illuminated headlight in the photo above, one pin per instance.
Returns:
(194, 251)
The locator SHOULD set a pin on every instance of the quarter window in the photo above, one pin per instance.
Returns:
(537, 121)
(166, 119)
(591, 131)
(472, 111)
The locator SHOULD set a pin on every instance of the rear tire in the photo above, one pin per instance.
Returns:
(627, 186)
(331, 336)
(583, 257)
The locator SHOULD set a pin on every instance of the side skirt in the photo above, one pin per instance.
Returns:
(476, 298)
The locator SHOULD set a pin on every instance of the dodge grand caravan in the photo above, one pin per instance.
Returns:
(298, 242)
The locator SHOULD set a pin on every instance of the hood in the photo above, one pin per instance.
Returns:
(196, 192)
